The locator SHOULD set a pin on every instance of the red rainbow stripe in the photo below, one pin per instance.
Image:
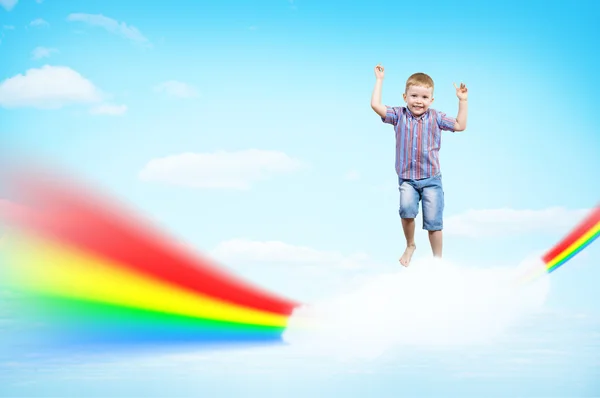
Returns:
(58, 211)
(568, 243)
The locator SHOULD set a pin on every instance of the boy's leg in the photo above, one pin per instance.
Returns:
(433, 211)
(409, 208)
(408, 226)
(435, 240)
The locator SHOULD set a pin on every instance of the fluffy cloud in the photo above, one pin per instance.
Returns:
(112, 26)
(176, 89)
(231, 170)
(510, 222)
(48, 87)
(433, 303)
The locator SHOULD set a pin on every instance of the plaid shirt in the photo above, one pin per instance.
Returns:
(418, 140)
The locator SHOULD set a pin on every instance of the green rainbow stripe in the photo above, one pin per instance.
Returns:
(71, 322)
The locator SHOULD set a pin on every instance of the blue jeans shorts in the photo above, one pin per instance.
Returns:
(430, 192)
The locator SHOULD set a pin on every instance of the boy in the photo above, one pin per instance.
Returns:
(418, 137)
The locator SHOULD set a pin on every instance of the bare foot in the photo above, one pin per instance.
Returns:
(405, 259)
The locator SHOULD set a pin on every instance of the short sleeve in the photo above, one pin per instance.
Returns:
(391, 115)
(445, 122)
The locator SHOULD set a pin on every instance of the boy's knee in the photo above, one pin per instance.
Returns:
(407, 214)
(433, 227)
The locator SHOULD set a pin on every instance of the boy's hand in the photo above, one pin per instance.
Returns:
(461, 92)
(379, 72)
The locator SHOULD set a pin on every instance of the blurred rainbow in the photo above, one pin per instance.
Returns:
(90, 274)
(581, 236)
(578, 239)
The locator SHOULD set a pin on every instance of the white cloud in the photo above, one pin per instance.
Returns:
(230, 170)
(8, 4)
(109, 109)
(39, 22)
(112, 26)
(511, 222)
(176, 89)
(432, 303)
(8, 27)
(42, 52)
(48, 87)
(284, 254)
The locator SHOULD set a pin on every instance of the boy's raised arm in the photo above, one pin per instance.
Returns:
(376, 104)
(461, 118)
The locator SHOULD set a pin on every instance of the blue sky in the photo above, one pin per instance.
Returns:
(243, 128)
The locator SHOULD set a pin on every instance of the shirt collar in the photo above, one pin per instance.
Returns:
(419, 117)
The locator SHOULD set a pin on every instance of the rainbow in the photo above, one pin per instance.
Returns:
(584, 233)
(578, 239)
(92, 274)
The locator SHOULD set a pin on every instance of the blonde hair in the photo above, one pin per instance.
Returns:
(419, 79)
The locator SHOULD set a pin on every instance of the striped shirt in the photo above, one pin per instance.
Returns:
(418, 141)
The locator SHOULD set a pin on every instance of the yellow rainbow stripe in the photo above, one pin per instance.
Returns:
(65, 272)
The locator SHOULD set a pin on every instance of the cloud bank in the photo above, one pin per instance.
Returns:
(228, 170)
(432, 303)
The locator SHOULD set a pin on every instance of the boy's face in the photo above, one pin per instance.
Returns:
(418, 99)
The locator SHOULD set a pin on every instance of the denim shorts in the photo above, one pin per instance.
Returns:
(430, 192)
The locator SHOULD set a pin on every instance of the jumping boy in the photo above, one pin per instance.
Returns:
(418, 131)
